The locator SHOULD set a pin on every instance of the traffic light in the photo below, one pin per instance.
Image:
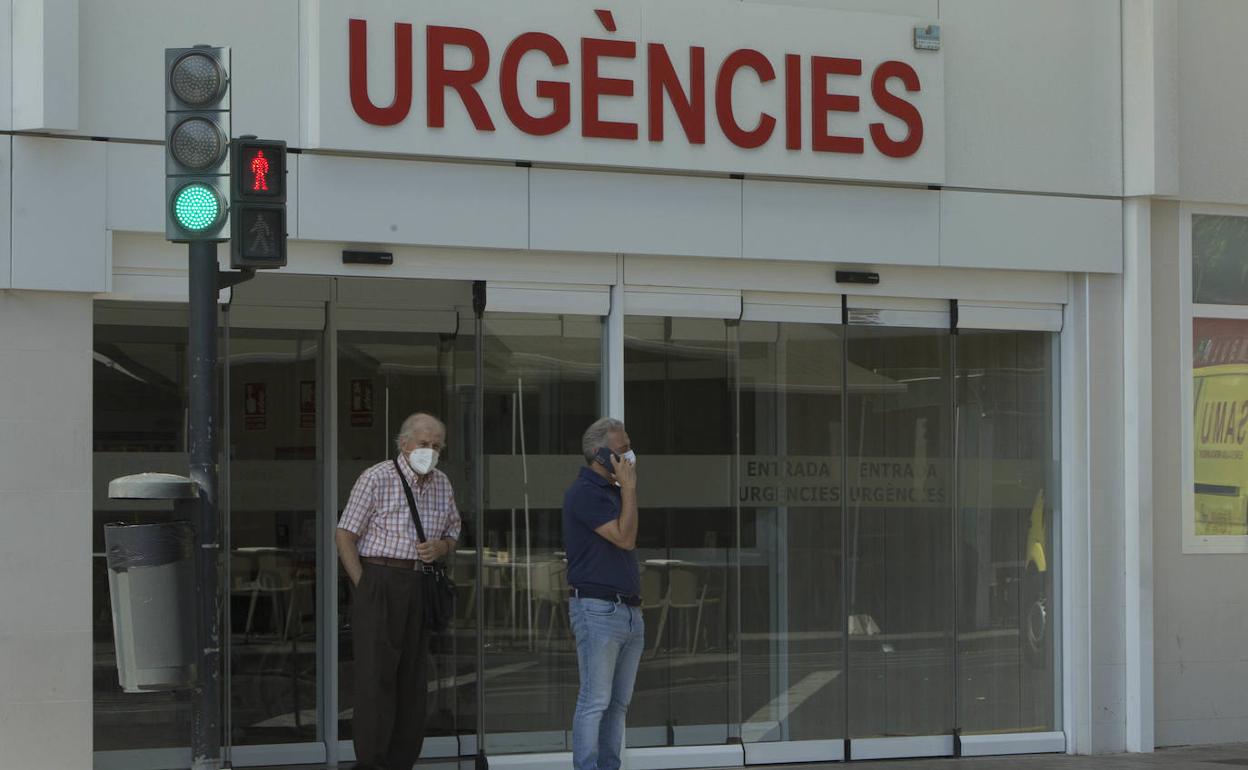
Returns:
(258, 203)
(197, 143)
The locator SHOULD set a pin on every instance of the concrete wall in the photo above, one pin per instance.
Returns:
(45, 554)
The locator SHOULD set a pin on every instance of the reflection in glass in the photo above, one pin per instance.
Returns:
(139, 387)
(382, 378)
(542, 390)
(899, 529)
(680, 409)
(1007, 486)
(792, 685)
(1220, 392)
(1219, 259)
(275, 490)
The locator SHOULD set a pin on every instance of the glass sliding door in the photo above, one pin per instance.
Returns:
(273, 481)
(382, 377)
(139, 383)
(792, 682)
(1007, 489)
(899, 540)
(680, 408)
(542, 388)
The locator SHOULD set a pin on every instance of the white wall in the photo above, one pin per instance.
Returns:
(1201, 606)
(45, 554)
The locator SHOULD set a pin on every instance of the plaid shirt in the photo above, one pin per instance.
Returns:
(377, 510)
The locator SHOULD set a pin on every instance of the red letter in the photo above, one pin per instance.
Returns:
(357, 34)
(439, 78)
(593, 87)
(739, 59)
(821, 102)
(690, 108)
(897, 107)
(793, 101)
(560, 94)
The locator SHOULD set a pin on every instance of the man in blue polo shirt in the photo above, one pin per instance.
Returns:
(599, 534)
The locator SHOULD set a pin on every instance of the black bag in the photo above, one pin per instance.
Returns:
(439, 588)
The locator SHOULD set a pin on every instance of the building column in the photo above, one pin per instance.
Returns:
(45, 554)
(1137, 314)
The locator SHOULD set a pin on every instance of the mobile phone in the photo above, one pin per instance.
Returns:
(604, 457)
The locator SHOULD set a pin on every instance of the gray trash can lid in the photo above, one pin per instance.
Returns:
(152, 486)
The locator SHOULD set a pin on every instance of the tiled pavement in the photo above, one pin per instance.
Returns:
(1226, 757)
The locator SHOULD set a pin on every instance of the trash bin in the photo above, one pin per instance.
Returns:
(151, 582)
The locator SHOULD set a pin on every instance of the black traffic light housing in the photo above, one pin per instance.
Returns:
(197, 143)
(257, 203)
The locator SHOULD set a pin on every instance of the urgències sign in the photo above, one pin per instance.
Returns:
(694, 85)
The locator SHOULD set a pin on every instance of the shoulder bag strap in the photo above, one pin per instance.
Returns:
(411, 501)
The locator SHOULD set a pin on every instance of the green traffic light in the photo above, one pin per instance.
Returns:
(197, 207)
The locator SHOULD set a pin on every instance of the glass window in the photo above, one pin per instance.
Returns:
(1219, 260)
(1007, 489)
(139, 385)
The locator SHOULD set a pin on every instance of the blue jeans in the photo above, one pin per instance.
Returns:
(610, 638)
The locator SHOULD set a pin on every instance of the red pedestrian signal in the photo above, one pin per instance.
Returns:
(258, 204)
(259, 170)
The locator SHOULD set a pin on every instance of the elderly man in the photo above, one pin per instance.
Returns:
(379, 548)
(600, 535)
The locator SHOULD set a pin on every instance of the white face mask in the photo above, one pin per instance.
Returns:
(423, 459)
(630, 456)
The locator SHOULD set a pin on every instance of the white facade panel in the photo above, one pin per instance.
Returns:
(817, 278)
(45, 502)
(1028, 231)
(61, 181)
(663, 301)
(408, 202)
(833, 223)
(927, 8)
(45, 86)
(122, 55)
(1212, 101)
(6, 210)
(1013, 743)
(136, 187)
(548, 298)
(1034, 98)
(6, 65)
(636, 213)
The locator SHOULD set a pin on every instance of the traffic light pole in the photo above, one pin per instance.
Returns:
(203, 439)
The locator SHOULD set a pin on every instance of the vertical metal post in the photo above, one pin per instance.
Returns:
(478, 439)
(202, 344)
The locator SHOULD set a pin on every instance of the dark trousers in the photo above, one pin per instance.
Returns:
(391, 667)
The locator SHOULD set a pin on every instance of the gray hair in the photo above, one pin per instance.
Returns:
(415, 422)
(596, 436)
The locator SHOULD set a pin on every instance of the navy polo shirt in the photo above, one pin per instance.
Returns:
(595, 563)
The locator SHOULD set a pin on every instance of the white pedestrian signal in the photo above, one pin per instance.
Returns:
(260, 236)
